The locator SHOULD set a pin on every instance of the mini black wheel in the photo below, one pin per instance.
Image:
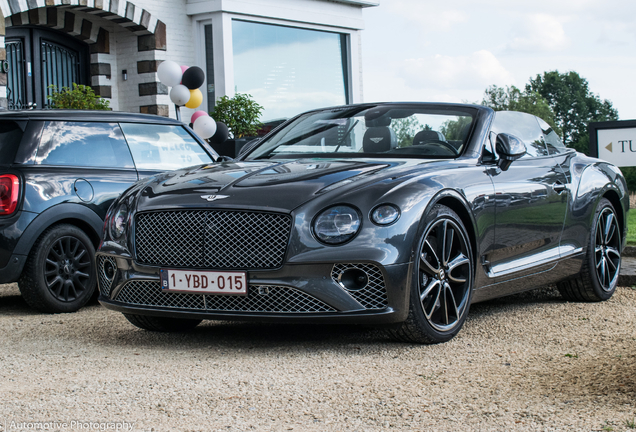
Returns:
(442, 280)
(59, 274)
(162, 324)
(598, 277)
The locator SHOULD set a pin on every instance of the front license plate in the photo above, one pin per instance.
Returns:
(204, 282)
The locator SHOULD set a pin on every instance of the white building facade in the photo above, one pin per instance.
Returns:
(290, 55)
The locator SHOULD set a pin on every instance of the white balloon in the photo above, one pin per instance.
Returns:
(180, 95)
(205, 126)
(170, 73)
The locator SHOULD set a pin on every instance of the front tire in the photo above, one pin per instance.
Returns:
(442, 280)
(162, 324)
(598, 277)
(59, 274)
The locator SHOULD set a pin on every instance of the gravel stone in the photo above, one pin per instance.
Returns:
(529, 362)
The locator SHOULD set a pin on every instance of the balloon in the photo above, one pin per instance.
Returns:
(169, 73)
(196, 97)
(221, 133)
(180, 95)
(205, 127)
(193, 77)
(196, 115)
(184, 68)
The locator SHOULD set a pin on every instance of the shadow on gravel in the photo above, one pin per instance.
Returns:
(546, 295)
(290, 336)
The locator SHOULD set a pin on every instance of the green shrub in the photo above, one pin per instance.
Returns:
(81, 97)
(240, 114)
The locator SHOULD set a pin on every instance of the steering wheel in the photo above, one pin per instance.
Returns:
(444, 144)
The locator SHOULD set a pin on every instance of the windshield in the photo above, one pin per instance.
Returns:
(386, 130)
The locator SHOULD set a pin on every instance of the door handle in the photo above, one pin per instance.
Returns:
(558, 187)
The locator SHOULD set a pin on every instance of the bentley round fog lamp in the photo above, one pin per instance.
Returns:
(385, 214)
(118, 222)
(337, 224)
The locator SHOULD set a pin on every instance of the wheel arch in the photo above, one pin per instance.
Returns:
(614, 198)
(458, 204)
(73, 214)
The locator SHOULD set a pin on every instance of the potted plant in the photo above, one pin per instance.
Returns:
(241, 114)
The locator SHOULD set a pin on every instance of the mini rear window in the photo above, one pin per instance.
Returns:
(10, 137)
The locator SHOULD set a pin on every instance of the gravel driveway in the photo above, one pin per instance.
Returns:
(528, 362)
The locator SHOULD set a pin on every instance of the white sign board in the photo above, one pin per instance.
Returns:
(617, 146)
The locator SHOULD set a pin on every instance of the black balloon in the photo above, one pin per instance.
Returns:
(193, 77)
(221, 133)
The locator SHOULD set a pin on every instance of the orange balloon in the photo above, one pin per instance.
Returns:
(196, 98)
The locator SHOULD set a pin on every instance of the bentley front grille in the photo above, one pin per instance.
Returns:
(260, 298)
(372, 293)
(212, 239)
(106, 268)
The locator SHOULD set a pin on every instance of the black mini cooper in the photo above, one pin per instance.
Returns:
(59, 173)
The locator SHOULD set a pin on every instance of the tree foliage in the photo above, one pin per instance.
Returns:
(241, 114)
(81, 97)
(573, 104)
(455, 130)
(513, 99)
(405, 130)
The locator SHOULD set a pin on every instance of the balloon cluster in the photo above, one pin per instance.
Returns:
(185, 82)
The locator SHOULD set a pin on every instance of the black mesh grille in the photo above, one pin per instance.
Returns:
(372, 296)
(212, 239)
(105, 284)
(276, 299)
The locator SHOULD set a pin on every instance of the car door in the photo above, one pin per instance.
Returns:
(157, 148)
(530, 202)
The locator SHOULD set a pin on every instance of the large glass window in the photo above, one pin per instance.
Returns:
(289, 70)
(90, 144)
(163, 147)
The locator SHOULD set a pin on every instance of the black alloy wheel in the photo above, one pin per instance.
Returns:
(59, 275)
(607, 256)
(444, 275)
(442, 280)
(67, 269)
(598, 277)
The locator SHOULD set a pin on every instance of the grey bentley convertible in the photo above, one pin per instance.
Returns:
(400, 214)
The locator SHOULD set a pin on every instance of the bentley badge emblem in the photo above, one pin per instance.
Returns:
(213, 197)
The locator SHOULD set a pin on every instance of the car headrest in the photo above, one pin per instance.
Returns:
(379, 139)
(427, 136)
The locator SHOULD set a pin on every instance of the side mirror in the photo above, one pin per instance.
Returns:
(509, 148)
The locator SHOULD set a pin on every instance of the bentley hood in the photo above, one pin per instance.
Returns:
(259, 185)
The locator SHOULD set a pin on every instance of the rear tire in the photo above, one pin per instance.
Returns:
(598, 277)
(59, 274)
(162, 324)
(442, 281)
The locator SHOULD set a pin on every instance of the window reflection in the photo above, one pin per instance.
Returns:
(523, 126)
(289, 70)
(83, 144)
(163, 147)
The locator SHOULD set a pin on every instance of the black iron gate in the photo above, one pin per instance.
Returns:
(39, 58)
(16, 83)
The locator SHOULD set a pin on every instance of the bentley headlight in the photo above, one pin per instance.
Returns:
(118, 222)
(385, 214)
(337, 224)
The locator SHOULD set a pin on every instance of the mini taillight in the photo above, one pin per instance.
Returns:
(9, 191)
